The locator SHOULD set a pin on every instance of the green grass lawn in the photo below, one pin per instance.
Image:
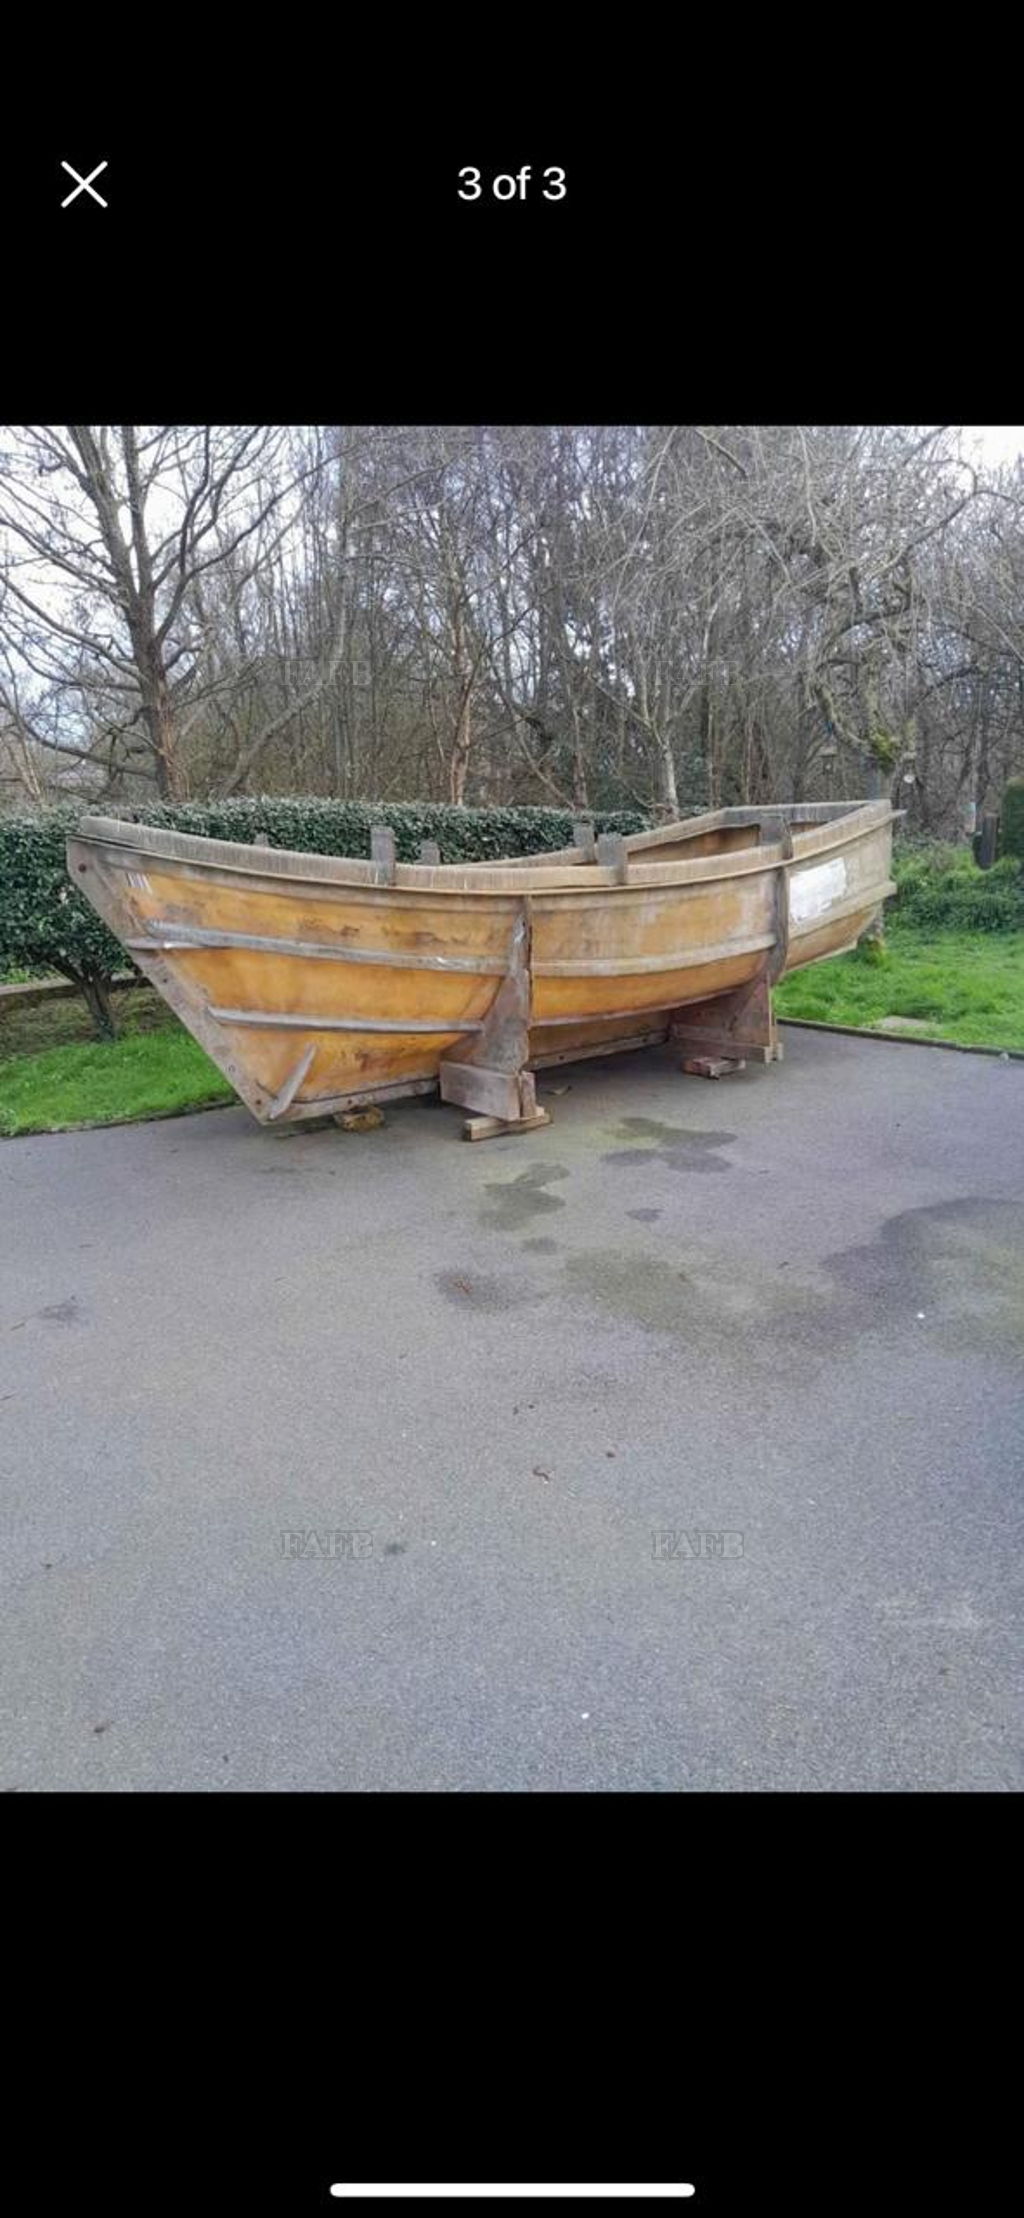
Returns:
(963, 986)
(54, 1074)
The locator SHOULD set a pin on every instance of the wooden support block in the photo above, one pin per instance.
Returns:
(492, 1128)
(509, 1095)
(718, 1045)
(382, 852)
(711, 1066)
(740, 1024)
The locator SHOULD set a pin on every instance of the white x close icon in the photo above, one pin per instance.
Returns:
(84, 184)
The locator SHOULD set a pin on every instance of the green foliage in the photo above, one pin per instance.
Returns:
(1011, 827)
(940, 888)
(46, 923)
(961, 986)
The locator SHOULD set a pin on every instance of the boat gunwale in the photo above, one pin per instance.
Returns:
(799, 816)
(540, 875)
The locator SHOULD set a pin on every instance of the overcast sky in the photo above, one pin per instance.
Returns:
(998, 442)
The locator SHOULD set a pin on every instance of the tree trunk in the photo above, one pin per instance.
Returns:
(461, 745)
(170, 782)
(96, 995)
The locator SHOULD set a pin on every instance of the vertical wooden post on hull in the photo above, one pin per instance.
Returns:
(491, 1076)
(612, 854)
(739, 1027)
(382, 853)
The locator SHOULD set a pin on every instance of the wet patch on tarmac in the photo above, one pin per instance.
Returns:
(957, 1266)
(517, 1200)
(678, 1146)
(952, 1268)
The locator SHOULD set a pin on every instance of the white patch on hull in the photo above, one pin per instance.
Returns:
(812, 892)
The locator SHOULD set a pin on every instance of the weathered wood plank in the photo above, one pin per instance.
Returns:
(612, 854)
(382, 853)
(740, 1024)
(180, 938)
(437, 1028)
(495, 1093)
(617, 1045)
(712, 1066)
(496, 1128)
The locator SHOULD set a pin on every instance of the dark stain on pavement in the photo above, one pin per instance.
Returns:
(644, 1216)
(953, 1269)
(518, 1199)
(62, 1313)
(955, 1266)
(541, 1247)
(675, 1145)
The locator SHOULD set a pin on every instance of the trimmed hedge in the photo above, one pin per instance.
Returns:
(942, 889)
(1011, 820)
(46, 924)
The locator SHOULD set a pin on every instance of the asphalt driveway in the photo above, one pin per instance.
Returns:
(678, 1446)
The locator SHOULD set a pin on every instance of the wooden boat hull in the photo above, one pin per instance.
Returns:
(317, 983)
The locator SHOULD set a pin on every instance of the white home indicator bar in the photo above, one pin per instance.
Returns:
(623, 2193)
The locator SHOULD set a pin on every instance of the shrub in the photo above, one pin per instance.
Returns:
(45, 923)
(940, 888)
(1011, 828)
